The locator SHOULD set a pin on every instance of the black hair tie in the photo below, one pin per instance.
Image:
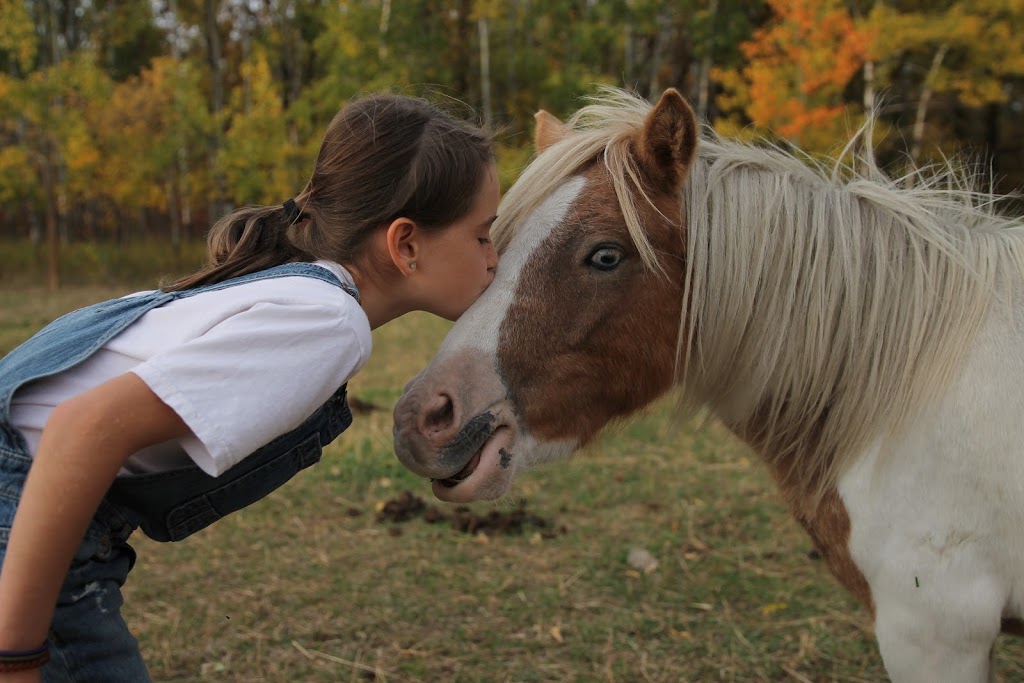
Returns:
(292, 212)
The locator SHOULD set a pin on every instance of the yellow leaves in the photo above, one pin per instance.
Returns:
(486, 9)
(16, 177)
(982, 39)
(773, 607)
(79, 150)
(14, 158)
(978, 93)
(256, 143)
(17, 35)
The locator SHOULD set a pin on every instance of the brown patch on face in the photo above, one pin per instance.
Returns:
(580, 346)
(827, 523)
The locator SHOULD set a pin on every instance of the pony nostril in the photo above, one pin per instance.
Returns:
(439, 416)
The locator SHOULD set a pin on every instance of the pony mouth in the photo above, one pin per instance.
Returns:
(465, 472)
(489, 458)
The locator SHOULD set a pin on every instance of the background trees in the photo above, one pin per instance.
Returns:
(147, 119)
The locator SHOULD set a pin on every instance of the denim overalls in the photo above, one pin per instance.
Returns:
(89, 640)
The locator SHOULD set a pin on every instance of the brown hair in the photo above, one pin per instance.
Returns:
(383, 156)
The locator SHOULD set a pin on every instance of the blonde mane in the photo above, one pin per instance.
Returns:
(822, 307)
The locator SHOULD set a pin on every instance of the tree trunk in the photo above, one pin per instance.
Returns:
(173, 212)
(660, 40)
(704, 79)
(485, 70)
(869, 88)
(183, 188)
(917, 136)
(178, 201)
(868, 146)
(50, 206)
(215, 60)
(382, 29)
(511, 86)
(458, 48)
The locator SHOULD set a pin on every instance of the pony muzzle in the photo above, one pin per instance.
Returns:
(486, 475)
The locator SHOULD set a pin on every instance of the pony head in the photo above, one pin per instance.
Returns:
(581, 323)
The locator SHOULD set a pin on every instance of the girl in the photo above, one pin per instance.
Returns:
(170, 409)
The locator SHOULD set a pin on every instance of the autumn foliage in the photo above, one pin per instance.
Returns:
(797, 67)
(150, 118)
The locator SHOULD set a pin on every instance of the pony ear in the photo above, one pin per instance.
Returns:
(668, 142)
(549, 130)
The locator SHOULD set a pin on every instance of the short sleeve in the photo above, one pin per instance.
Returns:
(254, 376)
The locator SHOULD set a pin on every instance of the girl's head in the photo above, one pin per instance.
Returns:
(384, 158)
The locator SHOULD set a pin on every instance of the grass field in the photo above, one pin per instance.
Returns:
(308, 585)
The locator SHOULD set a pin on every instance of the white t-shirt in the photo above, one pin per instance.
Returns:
(240, 366)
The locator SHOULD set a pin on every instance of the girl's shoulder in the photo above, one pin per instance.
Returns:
(295, 306)
(296, 289)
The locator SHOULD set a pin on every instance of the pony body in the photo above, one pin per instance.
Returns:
(864, 339)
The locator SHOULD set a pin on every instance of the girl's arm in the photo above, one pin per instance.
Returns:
(81, 449)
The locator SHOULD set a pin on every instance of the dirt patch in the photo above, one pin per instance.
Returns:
(408, 506)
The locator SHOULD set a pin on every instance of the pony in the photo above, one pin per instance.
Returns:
(863, 335)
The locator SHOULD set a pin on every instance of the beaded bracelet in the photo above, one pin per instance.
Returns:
(23, 660)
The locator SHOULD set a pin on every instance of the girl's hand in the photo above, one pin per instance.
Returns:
(30, 676)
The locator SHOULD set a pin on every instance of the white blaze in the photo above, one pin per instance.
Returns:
(478, 327)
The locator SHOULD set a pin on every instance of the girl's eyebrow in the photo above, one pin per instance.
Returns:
(490, 220)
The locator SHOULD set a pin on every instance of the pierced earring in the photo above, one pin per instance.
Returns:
(412, 265)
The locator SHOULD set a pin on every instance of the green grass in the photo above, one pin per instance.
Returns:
(296, 588)
(106, 264)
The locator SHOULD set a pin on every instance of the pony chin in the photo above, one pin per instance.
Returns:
(501, 458)
(535, 452)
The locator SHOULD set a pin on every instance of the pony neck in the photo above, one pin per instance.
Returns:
(820, 313)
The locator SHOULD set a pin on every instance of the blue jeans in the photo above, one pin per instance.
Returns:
(89, 640)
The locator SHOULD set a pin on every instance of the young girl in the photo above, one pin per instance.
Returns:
(170, 409)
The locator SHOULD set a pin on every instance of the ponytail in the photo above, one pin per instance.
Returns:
(245, 241)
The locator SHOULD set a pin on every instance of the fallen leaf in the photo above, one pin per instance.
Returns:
(773, 607)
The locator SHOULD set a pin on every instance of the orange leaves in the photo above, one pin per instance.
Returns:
(798, 65)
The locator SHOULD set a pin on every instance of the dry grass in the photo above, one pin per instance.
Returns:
(297, 588)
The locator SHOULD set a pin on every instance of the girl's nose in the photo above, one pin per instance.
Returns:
(492, 259)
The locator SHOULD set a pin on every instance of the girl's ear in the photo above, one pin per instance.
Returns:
(403, 244)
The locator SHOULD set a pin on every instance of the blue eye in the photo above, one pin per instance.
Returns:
(605, 258)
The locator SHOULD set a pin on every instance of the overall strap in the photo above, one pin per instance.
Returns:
(74, 337)
(284, 270)
(64, 343)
